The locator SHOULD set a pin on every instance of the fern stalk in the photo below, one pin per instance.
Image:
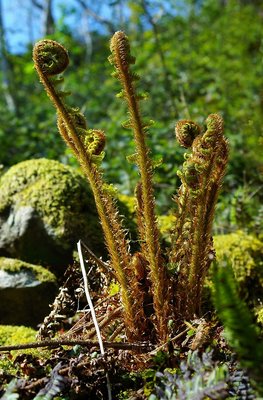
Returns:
(143, 277)
(121, 58)
(50, 59)
(208, 149)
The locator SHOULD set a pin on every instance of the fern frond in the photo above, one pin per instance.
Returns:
(201, 176)
(240, 330)
(50, 59)
(121, 58)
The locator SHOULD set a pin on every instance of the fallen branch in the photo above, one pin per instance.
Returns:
(137, 347)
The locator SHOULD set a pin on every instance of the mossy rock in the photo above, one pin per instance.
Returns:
(45, 208)
(26, 291)
(245, 253)
(14, 266)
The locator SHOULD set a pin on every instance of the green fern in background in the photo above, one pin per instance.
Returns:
(240, 330)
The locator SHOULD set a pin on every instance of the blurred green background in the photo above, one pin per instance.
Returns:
(194, 57)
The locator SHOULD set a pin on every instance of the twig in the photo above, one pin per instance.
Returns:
(83, 321)
(117, 331)
(170, 341)
(100, 263)
(142, 347)
(93, 314)
(106, 320)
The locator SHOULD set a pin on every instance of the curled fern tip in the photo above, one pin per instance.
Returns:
(50, 57)
(186, 131)
(215, 122)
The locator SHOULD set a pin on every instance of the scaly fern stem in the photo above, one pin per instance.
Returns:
(113, 232)
(122, 59)
(201, 179)
(106, 211)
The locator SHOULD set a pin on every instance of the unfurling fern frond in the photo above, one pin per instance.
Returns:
(201, 176)
(122, 59)
(50, 59)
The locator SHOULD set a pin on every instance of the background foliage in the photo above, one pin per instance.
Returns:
(195, 57)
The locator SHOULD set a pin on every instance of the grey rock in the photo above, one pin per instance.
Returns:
(26, 291)
(17, 280)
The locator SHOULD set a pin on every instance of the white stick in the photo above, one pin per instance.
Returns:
(93, 314)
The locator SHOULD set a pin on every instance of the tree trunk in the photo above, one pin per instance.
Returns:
(49, 23)
(5, 68)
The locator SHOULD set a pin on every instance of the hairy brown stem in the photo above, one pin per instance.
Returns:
(121, 58)
(51, 59)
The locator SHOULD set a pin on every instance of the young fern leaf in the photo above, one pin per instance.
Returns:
(240, 330)
(50, 59)
(122, 59)
(201, 175)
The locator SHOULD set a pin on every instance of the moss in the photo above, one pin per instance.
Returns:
(245, 252)
(258, 311)
(12, 335)
(12, 265)
(60, 196)
(129, 202)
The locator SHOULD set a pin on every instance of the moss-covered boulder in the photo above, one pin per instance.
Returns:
(45, 208)
(26, 291)
(245, 253)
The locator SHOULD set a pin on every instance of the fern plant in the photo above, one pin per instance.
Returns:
(155, 287)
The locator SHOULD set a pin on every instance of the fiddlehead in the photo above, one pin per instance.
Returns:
(122, 59)
(50, 59)
(186, 131)
(201, 176)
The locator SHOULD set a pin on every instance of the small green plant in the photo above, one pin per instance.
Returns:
(199, 377)
(156, 287)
